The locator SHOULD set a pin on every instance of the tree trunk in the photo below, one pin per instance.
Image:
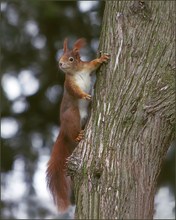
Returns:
(115, 168)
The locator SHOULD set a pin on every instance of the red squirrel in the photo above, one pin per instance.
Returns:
(73, 116)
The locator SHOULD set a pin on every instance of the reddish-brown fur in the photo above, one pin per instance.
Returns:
(70, 129)
(58, 183)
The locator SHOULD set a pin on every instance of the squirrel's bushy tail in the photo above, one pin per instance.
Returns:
(57, 180)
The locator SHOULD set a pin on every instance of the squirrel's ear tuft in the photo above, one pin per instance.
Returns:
(65, 45)
(79, 44)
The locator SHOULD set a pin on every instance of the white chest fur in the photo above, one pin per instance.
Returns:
(84, 80)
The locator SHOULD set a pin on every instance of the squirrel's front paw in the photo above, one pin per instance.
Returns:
(104, 57)
(87, 97)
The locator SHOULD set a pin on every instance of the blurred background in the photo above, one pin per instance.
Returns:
(32, 34)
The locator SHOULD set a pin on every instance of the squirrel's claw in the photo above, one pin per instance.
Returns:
(87, 97)
(80, 136)
(104, 57)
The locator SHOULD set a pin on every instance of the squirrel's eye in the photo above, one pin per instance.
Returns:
(71, 59)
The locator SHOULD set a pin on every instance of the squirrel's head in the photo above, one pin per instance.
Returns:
(70, 60)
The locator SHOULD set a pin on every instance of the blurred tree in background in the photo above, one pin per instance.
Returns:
(32, 85)
(32, 34)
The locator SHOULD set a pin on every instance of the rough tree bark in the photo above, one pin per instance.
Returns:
(132, 117)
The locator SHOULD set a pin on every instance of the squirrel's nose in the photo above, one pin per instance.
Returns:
(60, 63)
